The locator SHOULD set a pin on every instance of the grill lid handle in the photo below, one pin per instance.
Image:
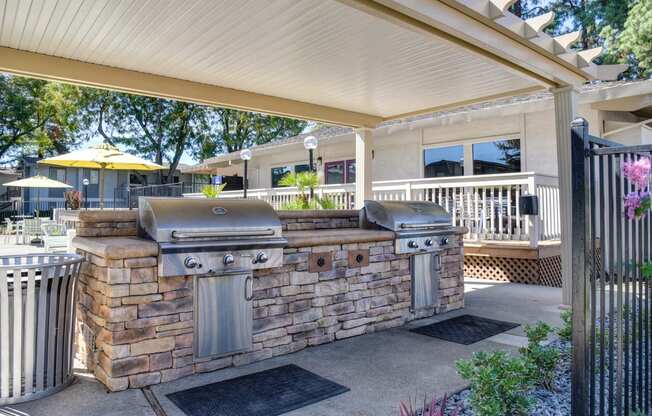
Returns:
(431, 225)
(183, 235)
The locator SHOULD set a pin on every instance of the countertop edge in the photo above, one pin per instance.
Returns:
(116, 248)
(336, 236)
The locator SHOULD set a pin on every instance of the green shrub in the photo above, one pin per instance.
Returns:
(498, 383)
(326, 202)
(212, 191)
(541, 360)
(566, 330)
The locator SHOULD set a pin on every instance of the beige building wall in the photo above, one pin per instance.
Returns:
(398, 150)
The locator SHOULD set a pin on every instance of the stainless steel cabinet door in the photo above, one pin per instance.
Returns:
(223, 314)
(425, 270)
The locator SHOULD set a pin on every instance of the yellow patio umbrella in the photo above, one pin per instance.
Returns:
(37, 181)
(103, 156)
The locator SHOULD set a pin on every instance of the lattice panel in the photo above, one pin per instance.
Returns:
(546, 272)
(550, 271)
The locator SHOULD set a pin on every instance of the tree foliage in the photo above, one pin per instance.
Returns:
(156, 129)
(232, 130)
(37, 117)
(623, 27)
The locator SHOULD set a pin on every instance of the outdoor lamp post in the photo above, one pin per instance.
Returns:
(310, 143)
(85, 182)
(245, 154)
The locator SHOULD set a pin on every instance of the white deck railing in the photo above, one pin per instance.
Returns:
(487, 204)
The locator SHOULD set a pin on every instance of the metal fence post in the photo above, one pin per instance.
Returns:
(582, 326)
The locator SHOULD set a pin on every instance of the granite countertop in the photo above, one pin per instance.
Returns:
(116, 247)
(326, 237)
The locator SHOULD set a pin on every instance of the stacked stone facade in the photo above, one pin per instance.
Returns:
(136, 329)
(100, 223)
(318, 220)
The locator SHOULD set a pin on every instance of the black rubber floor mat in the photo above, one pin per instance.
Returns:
(267, 393)
(465, 329)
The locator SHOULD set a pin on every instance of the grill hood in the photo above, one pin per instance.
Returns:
(406, 215)
(173, 220)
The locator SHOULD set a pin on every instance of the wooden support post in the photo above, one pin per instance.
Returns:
(363, 168)
(565, 112)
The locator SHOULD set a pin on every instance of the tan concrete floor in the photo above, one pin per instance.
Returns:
(381, 369)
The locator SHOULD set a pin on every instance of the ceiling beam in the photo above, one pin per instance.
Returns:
(462, 26)
(71, 71)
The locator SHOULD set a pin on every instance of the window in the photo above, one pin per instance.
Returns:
(500, 156)
(301, 168)
(341, 171)
(443, 161)
(58, 174)
(93, 188)
(278, 173)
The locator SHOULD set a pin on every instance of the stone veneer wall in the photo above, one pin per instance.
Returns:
(136, 329)
(100, 223)
(318, 219)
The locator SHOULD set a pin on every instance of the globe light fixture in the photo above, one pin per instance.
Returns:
(86, 182)
(245, 155)
(310, 143)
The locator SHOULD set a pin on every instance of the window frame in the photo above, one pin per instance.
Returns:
(291, 165)
(468, 150)
(347, 162)
(493, 140)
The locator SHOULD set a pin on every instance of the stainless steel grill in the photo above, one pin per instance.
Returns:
(200, 236)
(219, 242)
(419, 226)
(423, 229)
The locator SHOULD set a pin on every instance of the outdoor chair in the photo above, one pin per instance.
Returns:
(55, 237)
(30, 229)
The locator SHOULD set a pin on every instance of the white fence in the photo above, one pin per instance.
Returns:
(487, 204)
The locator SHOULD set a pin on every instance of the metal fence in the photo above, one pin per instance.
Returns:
(611, 294)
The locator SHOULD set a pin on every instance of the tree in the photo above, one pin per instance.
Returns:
(232, 130)
(633, 44)
(623, 28)
(37, 117)
(155, 128)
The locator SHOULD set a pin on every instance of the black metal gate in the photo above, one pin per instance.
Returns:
(611, 286)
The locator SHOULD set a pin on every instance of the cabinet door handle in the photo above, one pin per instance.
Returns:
(249, 288)
(437, 262)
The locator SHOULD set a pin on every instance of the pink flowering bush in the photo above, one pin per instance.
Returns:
(638, 172)
(638, 201)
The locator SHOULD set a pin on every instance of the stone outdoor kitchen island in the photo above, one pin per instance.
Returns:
(137, 329)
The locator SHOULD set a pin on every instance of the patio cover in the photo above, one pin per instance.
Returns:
(349, 62)
(354, 63)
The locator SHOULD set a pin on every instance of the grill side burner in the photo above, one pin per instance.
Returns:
(423, 229)
(220, 243)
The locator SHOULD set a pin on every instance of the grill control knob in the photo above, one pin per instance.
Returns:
(228, 259)
(261, 258)
(428, 242)
(191, 262)
(444, 241)
(412, 244)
